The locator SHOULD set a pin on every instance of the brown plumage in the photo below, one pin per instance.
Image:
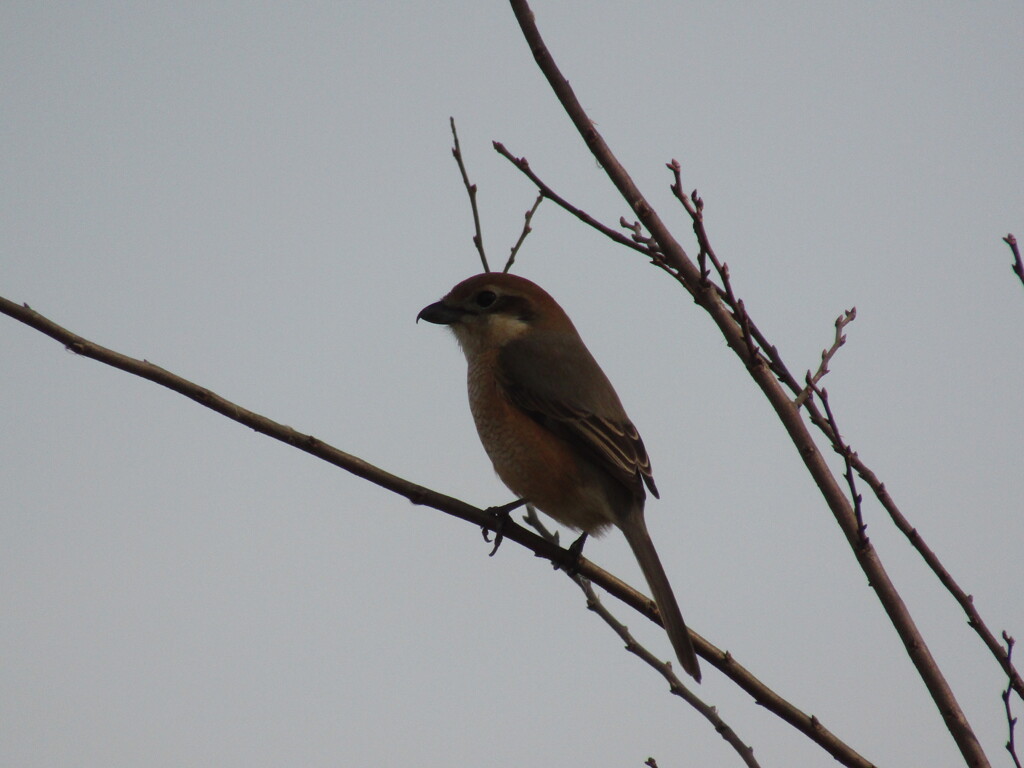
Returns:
(552, 424)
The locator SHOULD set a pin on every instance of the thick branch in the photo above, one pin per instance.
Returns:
(823, 424)
(690, 275)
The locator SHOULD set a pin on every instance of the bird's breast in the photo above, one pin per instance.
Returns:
(533, 462)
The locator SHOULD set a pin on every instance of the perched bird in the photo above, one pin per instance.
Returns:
(552, 424)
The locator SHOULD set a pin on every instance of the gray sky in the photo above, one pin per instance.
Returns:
(261, 199)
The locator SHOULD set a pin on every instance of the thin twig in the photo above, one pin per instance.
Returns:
(524, 166)
(963, 599)
(827, 354)
(526, 230)
(638, 235)
(1018, 265)
(724, 661)
(478, 238)
(663, 668)
(694, 205)
(1011, 721)
(843, 449)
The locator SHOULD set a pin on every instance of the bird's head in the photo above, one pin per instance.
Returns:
(488, 311)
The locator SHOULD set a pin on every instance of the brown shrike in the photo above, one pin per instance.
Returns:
(552, 424)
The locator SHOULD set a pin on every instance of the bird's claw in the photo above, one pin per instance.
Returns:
(576, 550)
(501, 515)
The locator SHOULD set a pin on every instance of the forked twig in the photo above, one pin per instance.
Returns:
(524, 167)
(694, 206)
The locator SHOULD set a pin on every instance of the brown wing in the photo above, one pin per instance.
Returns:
(554, 378)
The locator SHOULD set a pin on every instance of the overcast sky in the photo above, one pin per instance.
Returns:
(261, 197)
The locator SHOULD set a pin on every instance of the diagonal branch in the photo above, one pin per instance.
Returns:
(773, 358)
(663, 668)
(676, 686)
(736, 335)
(524, 165)
(417, 494)
(823, 424)
(421, 495)
(965, 600)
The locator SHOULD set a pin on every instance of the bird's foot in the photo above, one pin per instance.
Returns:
(576, 550)
(501, 516)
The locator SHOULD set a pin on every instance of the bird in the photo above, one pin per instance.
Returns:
(551, 422)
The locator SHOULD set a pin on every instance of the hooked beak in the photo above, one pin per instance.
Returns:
(439, 313)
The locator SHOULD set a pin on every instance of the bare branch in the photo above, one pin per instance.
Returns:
(1018, 265)
(695, 207)
(821, 422)
(809, 725)
(522, 235)
(738, 331)
(421, 495)
(1011, 721)
(966, 601)
(524, 166)
(417, 494)
(478, 238)
(843, 449)
(664, 668)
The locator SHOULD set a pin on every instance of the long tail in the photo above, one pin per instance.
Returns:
(639, 539)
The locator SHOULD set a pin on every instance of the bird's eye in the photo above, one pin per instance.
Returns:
(486, 298)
